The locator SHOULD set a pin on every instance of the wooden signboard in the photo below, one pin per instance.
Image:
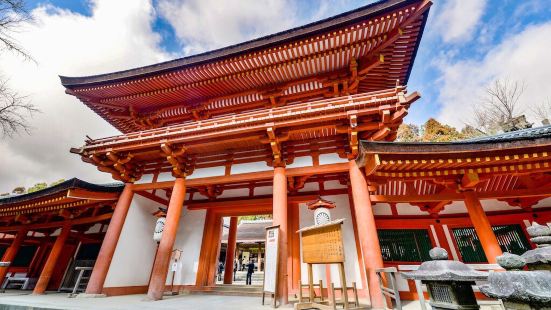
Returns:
(271, 263)
(323, 244)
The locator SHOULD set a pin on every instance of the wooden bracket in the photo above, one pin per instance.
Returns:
(353, 136)
(179, 166)
(211, 191)
(275, 146)
(119, 168)
(469, 181)
(297, 183)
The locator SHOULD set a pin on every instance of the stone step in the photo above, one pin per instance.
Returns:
(227, 293)
(230, 290)
(231, 287)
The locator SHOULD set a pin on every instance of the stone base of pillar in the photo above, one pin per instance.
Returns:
(84, 295)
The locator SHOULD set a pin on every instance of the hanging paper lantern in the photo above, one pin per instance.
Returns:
(159, 227)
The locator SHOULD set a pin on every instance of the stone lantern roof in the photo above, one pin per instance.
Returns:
(541, 235)
(442, 269)
(517, 286)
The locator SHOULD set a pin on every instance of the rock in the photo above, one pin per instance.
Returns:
(511, 261)
(537, 230)
(525, 287)
(438, 254)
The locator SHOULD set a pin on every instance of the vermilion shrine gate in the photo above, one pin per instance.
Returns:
(265, 126)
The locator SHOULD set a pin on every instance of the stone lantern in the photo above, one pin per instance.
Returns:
(518, 289)
(449, 282)
(539, 258)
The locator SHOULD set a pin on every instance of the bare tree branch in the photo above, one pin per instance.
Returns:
(500, 105)
(542, 110)
(14, 110)
(13, 15)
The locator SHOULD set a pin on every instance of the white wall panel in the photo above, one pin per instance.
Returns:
(133, 257)
(188, 239)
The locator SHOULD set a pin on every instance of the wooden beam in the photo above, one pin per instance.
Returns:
(521, 193)
(248, 203)
(153, 197)
(57, 224)
(91, 195)
(247, 177)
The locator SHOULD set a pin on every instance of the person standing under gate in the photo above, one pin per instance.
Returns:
(220, 270)
(235, 266)
(250, 270)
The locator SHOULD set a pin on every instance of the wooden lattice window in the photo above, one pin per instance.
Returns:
(404, 245)
(511, 239)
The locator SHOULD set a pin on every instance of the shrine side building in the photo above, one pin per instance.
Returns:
(265, 126)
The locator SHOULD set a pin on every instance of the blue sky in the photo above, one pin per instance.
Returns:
(467, 44)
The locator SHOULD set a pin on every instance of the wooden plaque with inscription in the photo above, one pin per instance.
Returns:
(323, 244)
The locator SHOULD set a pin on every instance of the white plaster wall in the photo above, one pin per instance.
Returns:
(188, 239)
(310, 187)
(207, 172)
(302, 161)
(382, 209)
(351, 265)
(454, 208)
(326, 159)
(543, 203)
(496, 205)
(133, 258)
(264, 190)
(94, 229)
(407, 209)
(488, 205)
(334, 184)
(250, 167)
(238, 192)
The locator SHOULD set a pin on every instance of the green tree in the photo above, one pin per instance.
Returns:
(37, 187)
(255, 217)
(19, 190)
(408, 133)
(57, 182)
(434, 131)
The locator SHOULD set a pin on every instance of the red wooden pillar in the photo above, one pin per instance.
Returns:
(293, 250)
(482, 226)
(11, 252)
(51, 262)
(367, 231)
(230, 251)
(160, 267)
(107, 250)
(280, 218)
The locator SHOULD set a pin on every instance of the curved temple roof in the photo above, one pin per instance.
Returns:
(73, 183)
(368, 49)
(522, 152)
(273, 40)
(520, 139)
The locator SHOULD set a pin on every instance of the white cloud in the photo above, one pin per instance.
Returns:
(203, 25)
(116, 36)
(456, 19)
(523, 57)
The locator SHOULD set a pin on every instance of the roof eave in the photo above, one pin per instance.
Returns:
(343, 19)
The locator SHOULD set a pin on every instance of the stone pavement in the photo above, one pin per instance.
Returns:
(137, 302)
